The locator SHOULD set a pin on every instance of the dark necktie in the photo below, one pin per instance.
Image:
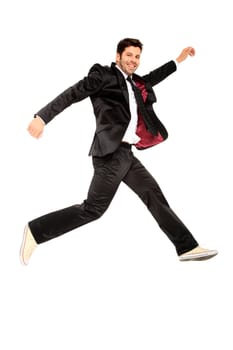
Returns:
(141, 106)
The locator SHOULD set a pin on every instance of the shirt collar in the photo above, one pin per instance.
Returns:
(124, 74)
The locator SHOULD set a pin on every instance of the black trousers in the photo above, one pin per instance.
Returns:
(109, 171)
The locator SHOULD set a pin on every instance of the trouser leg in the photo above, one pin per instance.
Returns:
(108, 173)
(141, 182)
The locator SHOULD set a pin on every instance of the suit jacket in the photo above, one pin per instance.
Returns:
(107, 89)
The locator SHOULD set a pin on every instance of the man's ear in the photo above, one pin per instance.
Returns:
(118, 56)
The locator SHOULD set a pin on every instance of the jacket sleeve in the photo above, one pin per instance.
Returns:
(159, 74)
(89, 85)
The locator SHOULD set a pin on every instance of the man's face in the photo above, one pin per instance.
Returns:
(129, 60)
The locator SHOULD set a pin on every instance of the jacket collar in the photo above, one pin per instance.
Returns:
(121, 80)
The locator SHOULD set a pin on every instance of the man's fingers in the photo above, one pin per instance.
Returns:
(34, 132)
(190, 51)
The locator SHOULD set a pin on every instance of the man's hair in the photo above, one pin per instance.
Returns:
(124, 43)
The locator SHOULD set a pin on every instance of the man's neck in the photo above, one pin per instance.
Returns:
(118, 67)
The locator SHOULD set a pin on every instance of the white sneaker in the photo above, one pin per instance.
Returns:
(28, 246)
(198, 253)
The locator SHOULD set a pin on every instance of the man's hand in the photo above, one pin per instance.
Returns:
(188, 51)
(36, 127)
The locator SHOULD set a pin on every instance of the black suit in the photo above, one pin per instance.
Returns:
(107, 90)
(114, 161)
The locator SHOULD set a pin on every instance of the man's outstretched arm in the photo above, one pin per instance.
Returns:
(78, 92)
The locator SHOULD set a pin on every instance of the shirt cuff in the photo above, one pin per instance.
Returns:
(37, 116)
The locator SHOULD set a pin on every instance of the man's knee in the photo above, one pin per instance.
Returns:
(94, 211)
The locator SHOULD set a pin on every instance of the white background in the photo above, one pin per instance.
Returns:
(116, 283)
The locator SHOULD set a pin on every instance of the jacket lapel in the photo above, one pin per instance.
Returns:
(121, 82)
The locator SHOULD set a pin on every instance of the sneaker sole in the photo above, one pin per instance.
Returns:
(23, 246)
(198, 257)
